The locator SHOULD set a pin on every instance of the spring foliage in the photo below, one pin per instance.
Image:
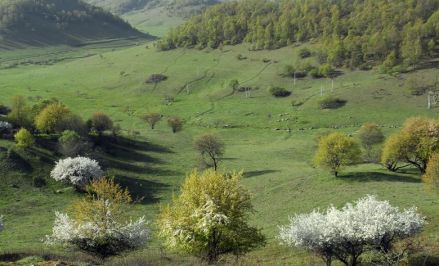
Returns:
(24, 138)
(209, 217)
(99, 225)
(431, 176)
(335, 151)
(349, 33)
(346, 233)
(414, 144)
(50, 117)
(78, 171)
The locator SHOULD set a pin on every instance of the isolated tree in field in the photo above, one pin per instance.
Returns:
(369, 225)
(211, 148)
(370, 135)
(49, 118)
(24, 139)
(20, 112)
(101, 122)
(431, 176)
(176, 124)
(152, 119)
(336, 151)
(78, 171)
(415, 143)
(100, 225)
(392, 153)
(209, 217)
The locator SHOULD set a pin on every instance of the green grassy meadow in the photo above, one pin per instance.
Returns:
(277, 162)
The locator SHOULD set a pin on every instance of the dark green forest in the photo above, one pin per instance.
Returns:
(348, 32)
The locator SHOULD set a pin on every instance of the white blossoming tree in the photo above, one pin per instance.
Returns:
(78, 171)
(345, 234)
(209, 218)
(99, 225)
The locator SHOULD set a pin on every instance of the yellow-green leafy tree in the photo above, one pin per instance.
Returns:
(24, 138)
(209, 217)
(415, 143)
(336, 151)
(391, 154)
(50, 117)
(431, 176)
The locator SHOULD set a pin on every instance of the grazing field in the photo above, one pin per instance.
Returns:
(272, 140)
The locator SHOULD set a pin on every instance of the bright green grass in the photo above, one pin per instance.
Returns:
(278, 163)
(155, 21)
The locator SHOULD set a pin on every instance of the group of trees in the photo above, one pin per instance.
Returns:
(174, 122)
(52, 117)
(349, 33)
(414, 145)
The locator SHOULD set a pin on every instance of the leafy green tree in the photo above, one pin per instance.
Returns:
(24, 139)
(20, 114)
(414, 144)
(336, 151)
(431, 176)
(50, 117)
(370, 135)
(210, 217)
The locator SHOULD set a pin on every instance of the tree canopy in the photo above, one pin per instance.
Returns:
(349, 32)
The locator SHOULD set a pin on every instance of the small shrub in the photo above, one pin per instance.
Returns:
(315, 73)
(279, 92)
(24, 139)
(70, 143)
(331, 102)
(156, 78)
(304, 53)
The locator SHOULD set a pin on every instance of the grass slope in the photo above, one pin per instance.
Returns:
(48, 22)
(276, 162)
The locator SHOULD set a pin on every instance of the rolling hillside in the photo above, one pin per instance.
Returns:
(54, 22)
(154, 16)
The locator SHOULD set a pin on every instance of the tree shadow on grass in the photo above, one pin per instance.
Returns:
(110, 163)
(142, 191)
(133, 144)
(378, 176)
(250, 174)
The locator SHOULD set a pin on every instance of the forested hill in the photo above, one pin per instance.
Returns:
(350, 32)
(175, 7)
(47, 22)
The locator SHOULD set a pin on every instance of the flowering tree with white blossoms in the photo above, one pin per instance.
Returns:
(78, 171)
(345, 234)
(209, 218)
(99, 225)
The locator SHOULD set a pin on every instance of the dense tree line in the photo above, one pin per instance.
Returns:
(350, 32)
